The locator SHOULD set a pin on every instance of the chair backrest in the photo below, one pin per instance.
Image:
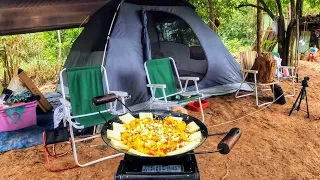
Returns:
(84, 83)
(160, 71)
(278, 59)
(247, 59)
(275, 54)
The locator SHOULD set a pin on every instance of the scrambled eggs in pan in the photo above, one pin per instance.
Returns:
(147, 136)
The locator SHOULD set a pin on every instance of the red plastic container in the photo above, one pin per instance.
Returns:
(18, 116)
(195, 106)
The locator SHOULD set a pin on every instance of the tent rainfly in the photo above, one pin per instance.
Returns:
(144, 30)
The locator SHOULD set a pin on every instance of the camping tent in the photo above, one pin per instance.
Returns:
(144, 30)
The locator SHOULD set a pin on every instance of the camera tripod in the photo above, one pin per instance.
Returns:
(302, 94)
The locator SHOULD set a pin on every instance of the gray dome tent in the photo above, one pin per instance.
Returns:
(153, 29)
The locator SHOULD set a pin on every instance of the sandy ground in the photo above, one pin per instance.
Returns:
(273, 145)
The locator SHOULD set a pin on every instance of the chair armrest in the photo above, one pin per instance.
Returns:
(289, 67)
(156, 86)
(250, 71)
(189, 78)
(120, 93)
(65, 102)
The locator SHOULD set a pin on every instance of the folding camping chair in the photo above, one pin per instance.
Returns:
(162, 83)
(85, 83)
(247, 60)
(285, 73)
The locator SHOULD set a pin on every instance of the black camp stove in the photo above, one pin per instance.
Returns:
(139, 168)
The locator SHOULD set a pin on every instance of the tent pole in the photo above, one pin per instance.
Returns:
(109, 33)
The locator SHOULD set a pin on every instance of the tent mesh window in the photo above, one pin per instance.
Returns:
(171, 36)
(177, 31)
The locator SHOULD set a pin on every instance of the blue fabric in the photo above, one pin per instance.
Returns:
(313, 49)
(22, 138)
(26, 137)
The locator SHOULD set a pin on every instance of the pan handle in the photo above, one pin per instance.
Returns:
(226, 144)
(218, 134)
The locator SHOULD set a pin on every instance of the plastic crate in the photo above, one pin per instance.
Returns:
(18, 116)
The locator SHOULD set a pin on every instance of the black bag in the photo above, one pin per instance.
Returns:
(277, 93)
(53, 136)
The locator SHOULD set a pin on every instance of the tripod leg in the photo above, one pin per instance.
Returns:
(307, 104)
(301, 97)
(294, 105)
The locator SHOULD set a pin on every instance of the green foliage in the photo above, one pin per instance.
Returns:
(237, 26)
(51, 43)
(223, 10)
(240, 29)
(311, 7)
(236, 45)
(36, 53)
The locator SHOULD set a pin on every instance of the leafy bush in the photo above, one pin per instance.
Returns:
(41, 55)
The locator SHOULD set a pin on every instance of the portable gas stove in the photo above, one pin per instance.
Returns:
(139, 168)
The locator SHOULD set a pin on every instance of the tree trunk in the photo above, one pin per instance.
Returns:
(60, 50)
(282, 40)
(5, 65)
(292, 54)
(211, 15)
(259, 29)
(290, 39)
(289, 42)
(299, 8)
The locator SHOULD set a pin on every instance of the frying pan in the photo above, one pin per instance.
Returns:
(224, 146)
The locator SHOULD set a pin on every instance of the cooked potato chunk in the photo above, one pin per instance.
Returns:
(133, 151)
(112, 134)
(127, 118)
(119, 144)
(119, 127)
(179, 119)
(192, 127)
(197, 136)
(145, 115)
(184, 149)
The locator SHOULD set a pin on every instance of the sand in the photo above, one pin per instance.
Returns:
(272, 146)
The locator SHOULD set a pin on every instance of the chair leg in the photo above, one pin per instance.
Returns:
(124, 102)
(75, 154)
(294, 87)
(236, 95)
(256, 93)
(244, 95)
(273, 96)
(202, 114)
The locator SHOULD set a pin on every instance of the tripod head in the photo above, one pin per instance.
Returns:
(304, 82)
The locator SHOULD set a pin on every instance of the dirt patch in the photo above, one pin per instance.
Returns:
(273, 145)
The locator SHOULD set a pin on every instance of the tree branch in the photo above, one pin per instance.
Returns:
(250, 5)
(279, 7)
(267, 10)
(264, 7)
